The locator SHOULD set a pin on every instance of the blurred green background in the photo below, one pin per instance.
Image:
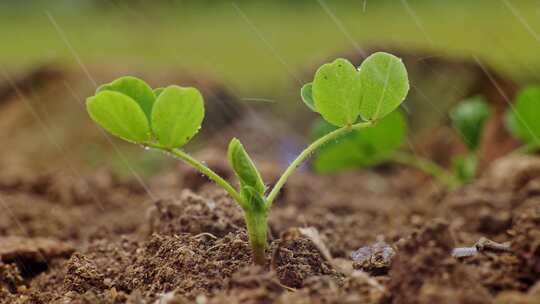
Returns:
(259, 50)
(259, 46)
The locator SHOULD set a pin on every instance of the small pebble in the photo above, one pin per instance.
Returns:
(107, 282)
(375, 258)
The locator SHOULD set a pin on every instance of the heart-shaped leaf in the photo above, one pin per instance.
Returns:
(337, 92)
(307, 96)
(177, 116)
(135, 88)
(384, 85)
(469, 118)
(120, 115)
(523, 120)
(244, 167)
(362, 148)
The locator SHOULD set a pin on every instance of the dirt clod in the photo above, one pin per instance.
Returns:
(436, 276)
(527, 244)
(32, 255)
(294, 260)
(10, 277)
(374, 259)
(194, 214)
(32, 249)
(82, 275)
(251, 285)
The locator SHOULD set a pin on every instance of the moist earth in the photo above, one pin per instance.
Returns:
(108, 240)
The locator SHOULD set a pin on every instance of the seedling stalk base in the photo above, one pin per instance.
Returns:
(257, 223)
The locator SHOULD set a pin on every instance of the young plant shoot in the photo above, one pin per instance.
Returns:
(469, 118)
(165, 119)
(373, 146)
(358, 149)
(523, 119)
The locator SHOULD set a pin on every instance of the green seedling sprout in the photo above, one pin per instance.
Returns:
(373, 146)
(381, 143)
(469, 118)
(363, 148)
(523, 119)
(165, 119)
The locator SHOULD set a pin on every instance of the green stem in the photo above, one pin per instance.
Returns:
(428, 166)
(201, 168)
(307, 152)
(256, 224)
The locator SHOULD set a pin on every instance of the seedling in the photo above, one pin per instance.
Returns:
(167, 118)
(469, 118)
(381, 143)
(523, 119)
(370, 147)
(363, 148)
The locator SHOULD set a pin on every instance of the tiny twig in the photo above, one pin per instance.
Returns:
(208, 234)
(463, 252)
(290, 289)
(482, 245)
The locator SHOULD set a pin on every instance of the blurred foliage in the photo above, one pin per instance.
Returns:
(469, 118)
(261, 47)
(523, 118)
(362, 148)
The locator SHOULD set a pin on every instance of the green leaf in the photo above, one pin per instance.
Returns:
(342, 156)
(362, 148)
(384, 85)
(120, 115)
(104, 87)
(337, 92)
(244, 167)
(465, 167)
(469, 118)
(523, 120)
(158, 91)
(307, 96)
(255, 201)
(177, 116)
(135, 88)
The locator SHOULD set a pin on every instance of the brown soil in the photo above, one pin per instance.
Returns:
(187, 247)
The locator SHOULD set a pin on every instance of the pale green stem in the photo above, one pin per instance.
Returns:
(257, 225)
(429, 167)
(307, 152)
(201, 168)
